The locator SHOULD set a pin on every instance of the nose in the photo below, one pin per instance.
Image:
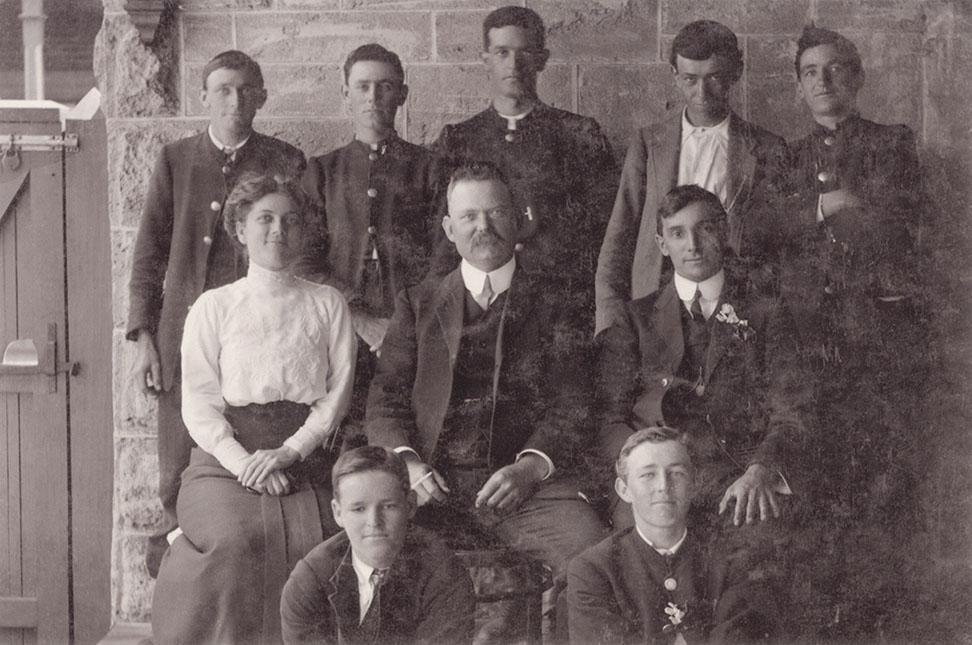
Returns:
(371, 93)
(482, 221)
(233, 97)
(662, 482)
(691, 240)
(375, 518)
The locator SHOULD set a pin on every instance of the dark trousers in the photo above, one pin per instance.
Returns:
(175, 448)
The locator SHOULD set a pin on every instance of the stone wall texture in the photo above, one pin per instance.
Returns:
(608, 61)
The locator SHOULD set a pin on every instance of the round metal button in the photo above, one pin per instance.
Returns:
(372, 156)
(214, 206)
(829, 141)
(664, 382)
(226, 170)
(372, 192)
(829, 290)
(372, 230)
(509, 137)
(207, 240)
(518, 246)
(671, 584)
(823, 176)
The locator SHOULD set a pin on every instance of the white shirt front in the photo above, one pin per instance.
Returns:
(499, 279)
(672, 550)
(704, 157)
(225, 146)
(264, 338)
(711, 289)
(366, 591)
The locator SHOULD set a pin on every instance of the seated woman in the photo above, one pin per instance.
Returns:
(267, 369)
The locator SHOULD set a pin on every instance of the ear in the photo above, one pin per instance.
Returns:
(204, 97)
(402, 95)
(542, 60)
(447, 227)
(262, 99)
(412, 500)
(660, 241)
(621, 488)
(336, 512)
(240, 228)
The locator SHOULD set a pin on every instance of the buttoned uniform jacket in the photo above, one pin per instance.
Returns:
(426, 597)
(560, 166)
(863, 255)
(753, 398)
(630, 262)
(542, 389)
(616, 594)
(393, 192)
(182, 209)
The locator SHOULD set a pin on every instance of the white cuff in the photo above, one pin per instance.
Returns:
(231, 454)
(399, 450)
(542, 455)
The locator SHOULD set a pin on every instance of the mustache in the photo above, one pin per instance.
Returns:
(487, 238)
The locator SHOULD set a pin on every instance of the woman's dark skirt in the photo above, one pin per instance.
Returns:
(220, 581)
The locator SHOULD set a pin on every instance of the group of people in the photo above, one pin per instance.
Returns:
(368, 360)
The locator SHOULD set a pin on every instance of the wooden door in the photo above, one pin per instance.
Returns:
(55, 425)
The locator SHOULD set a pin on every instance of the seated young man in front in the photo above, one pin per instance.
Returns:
(655, 582)
(380, 581)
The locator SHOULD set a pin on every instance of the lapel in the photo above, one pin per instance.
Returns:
(449, 302)
(668, 324)
(722, 334)
(343, 596)
(666, 147)
(742, 164)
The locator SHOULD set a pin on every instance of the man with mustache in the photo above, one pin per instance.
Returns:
(559, 165)
(374, 197)
(481, 387)
(182, 250)
(705, 143)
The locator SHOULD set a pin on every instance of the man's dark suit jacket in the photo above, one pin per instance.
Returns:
(752, 402)
(543, 388)
(427, 596)
(630, 262)
(177, 229)
(403, 176)
(616, 594)
(560, 165)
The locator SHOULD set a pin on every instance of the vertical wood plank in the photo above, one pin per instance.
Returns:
(90, 323)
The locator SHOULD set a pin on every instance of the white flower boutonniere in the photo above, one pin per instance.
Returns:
(675, 617)
(741, 328)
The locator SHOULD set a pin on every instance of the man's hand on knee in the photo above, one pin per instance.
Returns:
(754, 496)
(427, 483)
(512, 485)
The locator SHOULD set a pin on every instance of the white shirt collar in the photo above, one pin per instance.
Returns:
(263, 276)
(711, 287)
(672, 550)
(720, 129)
(511, 121)
(224, 146)
(499, 279)
(361, 569)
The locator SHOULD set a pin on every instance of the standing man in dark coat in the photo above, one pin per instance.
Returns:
(481, 387)
(181, 244)
(559, 165)
(712, 355)
(374, 197)
(706, 144)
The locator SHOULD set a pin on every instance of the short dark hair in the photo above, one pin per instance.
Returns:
(652, 434)
(702, 39)
(813, 36)
(233, 59)
(476, 171)
(374, 52)
(511, 16)
(252, 187)
(370, 458)
(681, 196)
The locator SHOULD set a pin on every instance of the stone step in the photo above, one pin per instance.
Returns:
(128, 634)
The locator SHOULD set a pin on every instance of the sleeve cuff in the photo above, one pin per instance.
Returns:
(231, 454)
(782, 486)
(542, 455)
(402, 449)
(304, 445)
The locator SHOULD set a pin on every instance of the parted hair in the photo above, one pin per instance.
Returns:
(367, 459)
(652, 434)
(813, 36)
(681, 196)
(252, 187)
(233, 59)
(374, 52)
(511, 16)
(702, 39)
(476, 171)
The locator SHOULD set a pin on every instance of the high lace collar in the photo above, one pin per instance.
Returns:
(264, 277)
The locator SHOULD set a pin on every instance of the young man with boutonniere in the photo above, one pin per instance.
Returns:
(655, 582)
(713, 355)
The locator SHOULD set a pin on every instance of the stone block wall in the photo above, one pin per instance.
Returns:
(608, 61)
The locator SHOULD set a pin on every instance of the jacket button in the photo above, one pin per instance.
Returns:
(823, 176)
(664, 382)
(372, 230)
(829, 141)
(207, 240)
(372, 192)
(215, 206)
(373, 156)
(518, 246)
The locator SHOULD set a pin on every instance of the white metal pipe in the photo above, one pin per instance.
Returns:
(33, 18)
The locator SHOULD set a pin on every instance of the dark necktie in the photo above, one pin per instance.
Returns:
(696, 307)
(371, 624)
